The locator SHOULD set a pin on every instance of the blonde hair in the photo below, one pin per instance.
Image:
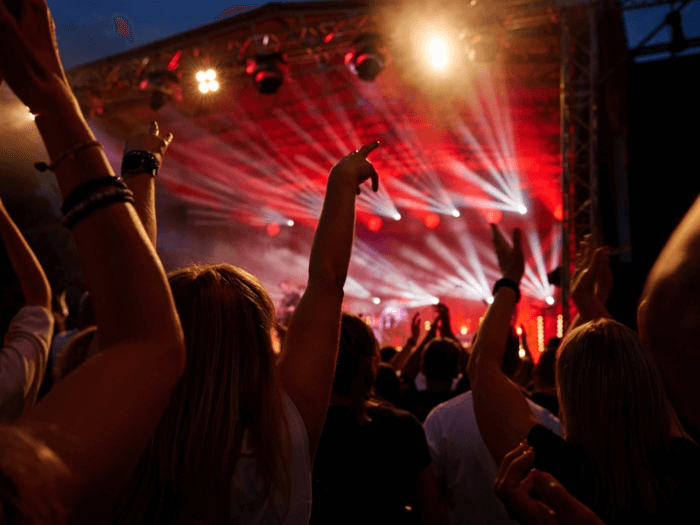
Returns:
(230, 390)
(614, 407)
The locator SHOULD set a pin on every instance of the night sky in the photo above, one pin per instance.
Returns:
(87, 31)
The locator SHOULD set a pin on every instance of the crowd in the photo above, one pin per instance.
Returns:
(166, 402)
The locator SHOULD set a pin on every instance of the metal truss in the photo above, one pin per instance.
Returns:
(579, 135)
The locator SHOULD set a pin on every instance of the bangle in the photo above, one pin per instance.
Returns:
(412, 341)
(83, 191)
(68, 154)
(508, 284)
(95, 202)
(139, 161)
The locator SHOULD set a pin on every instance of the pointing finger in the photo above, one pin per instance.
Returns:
(367, 149)
(153, 128)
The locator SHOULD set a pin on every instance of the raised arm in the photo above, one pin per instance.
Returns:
(399, 360)
(107, 409)
(411, 368)
(669, 316)
(307, 362)
(32, 279)
(501, 410)
(143, 157)
(25, 351)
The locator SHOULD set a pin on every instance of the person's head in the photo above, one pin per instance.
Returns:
(356, 367)
(613, 405)
(440, 359)
(387, 353)
(544, 371)
(387, 384)
(229, 389)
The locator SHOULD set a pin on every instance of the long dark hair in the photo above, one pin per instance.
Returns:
(230, 390)
(356, 368)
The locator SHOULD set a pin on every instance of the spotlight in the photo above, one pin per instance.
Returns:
(268, 72)
(522, 353)
(397, 217)
(549, 300)
(463, 330)
(489, 300)
(455, 213)
(273, 229)
(481, 48)
(432, 220)
(366, 60)
(290, 223)
(375, 223)
(438, 53)
(206, 81)
(522, 210)
(376, 300)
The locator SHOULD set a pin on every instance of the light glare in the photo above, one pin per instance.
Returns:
(290, 222)
(522, 210)
(455, 213)
(213, 85)
(201, 76)
(549, 300)
(204, 87)
(489, 300)
(376, 300)
(438, 53)
(210, 74)
(397, 217)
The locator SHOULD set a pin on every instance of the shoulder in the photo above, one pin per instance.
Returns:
(545, 417)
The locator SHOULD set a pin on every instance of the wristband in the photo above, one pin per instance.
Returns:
(508, 284)
(139, 161)
(412, 341)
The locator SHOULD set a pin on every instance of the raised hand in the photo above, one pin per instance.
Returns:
(415, 326)
(355, 168)
(29, 59)
(592, 267)
(150, 142)
(515, 483)
(510, 258)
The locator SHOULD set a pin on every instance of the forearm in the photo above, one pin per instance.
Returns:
(412, 366)
(125, 278)
(332, 246)
(143, 186)
(399, 360)
(493, 333)
(31, 276)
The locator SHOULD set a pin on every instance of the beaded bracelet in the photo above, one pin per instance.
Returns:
(82, 191)
(139, 161)
(95, 202)
(68, 154)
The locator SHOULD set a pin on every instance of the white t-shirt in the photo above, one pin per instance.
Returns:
(463, 464)
(248, 506)
(23, 360)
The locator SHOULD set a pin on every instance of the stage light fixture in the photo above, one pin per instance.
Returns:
(490, 300)
(455, 213)
(522, 210)
(549, 300)
(438, 53)
(366, 59)
(290, 223)
(397, 217)
(207, 81)
(267, 71)
(376, 300)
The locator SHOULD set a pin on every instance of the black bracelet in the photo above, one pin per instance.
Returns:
(139, 161)
(412, 341)
(508, 284)
(83, 191)
(95, 202)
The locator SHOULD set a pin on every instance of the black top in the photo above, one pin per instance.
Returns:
(677, 475)
(421, 402)
(368, 473)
